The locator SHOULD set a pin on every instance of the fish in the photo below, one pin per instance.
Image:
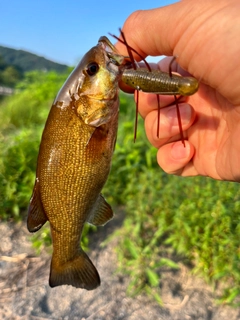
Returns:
(74, 161)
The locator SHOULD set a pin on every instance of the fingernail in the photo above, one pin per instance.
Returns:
(179, 151)
(185, 114)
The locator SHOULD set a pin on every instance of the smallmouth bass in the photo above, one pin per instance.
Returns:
(74, 162)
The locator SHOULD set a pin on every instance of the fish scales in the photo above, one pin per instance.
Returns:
(73, 164)
(75, 155)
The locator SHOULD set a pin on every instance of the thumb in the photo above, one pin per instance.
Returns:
(154, 32)
(193, 31)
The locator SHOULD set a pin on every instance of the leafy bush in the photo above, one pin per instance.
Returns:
(17, 171)
(22, 118)
(29, 107)
(197, 218)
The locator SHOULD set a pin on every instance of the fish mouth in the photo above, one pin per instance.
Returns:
(114, 61)
(106, 43)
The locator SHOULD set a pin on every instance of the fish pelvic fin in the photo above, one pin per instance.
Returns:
(101, 212)
(36, 215)
(79, 272)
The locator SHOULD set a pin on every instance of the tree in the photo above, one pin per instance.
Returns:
(10, 76)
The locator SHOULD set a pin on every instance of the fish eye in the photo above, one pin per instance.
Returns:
(92, 68)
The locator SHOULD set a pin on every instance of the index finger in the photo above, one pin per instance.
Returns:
(146, 32)
(165, 31)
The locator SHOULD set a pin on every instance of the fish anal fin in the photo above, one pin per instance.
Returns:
(36, 215)
(79, 272)
(101, 213)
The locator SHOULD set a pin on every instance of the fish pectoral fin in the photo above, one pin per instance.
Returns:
(36, 215)
(78, 272)
(91, 132)
(101, 213)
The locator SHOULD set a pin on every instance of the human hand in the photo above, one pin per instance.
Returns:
(204, 35)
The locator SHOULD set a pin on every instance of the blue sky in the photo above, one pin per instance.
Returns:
(63, 31)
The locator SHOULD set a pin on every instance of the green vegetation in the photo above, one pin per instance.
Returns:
(194, 220)
(22, 117)
(27, 61)
(9, 74)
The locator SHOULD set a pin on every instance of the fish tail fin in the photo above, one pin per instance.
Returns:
(78, 272)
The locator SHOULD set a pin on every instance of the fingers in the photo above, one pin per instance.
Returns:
(175, 158)
(148, 102)
(146, 31)
(171, 31)
(169, 124)
(167, 62)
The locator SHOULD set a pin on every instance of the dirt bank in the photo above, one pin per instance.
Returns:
(25, 294)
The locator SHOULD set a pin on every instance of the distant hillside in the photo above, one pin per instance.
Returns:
(27, 61)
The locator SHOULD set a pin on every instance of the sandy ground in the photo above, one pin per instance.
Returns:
(25, 294)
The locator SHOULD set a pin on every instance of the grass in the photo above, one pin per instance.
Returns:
(195, 218)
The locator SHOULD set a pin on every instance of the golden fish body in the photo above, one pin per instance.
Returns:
(74, 162)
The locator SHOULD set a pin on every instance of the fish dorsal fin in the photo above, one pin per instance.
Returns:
(36, 215)
(101, 213)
